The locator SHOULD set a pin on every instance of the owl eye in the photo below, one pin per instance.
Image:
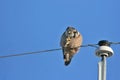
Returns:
(76, 34)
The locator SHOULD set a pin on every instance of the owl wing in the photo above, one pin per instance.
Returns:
(63, 40)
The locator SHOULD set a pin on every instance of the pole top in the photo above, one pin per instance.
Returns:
(104, 49)
(104, 43)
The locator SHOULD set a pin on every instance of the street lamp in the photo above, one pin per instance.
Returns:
(104, 50)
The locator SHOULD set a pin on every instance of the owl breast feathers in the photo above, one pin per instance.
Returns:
(71, 41)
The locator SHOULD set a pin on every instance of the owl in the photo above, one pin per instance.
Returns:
(71, 41)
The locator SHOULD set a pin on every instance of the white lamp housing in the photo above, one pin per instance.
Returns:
(104, 51)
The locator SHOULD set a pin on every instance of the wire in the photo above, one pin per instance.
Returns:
(114, 42)
(91, 45)
(27, 53)
(50, 50)
(20, 54)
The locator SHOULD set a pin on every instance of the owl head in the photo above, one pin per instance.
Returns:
(71, 32)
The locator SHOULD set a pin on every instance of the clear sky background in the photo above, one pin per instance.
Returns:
(33, 25)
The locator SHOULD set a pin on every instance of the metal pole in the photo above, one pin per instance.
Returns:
(102, 68)
(104, 50)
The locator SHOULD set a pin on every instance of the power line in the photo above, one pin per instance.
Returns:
(50, 50)
(114, 42)
(26, 53)
(42, 51)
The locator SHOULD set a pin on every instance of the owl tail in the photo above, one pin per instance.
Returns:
(67, 59)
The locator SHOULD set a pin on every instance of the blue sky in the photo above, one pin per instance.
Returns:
(33, 25)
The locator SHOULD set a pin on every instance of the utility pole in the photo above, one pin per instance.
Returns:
(104, 50)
